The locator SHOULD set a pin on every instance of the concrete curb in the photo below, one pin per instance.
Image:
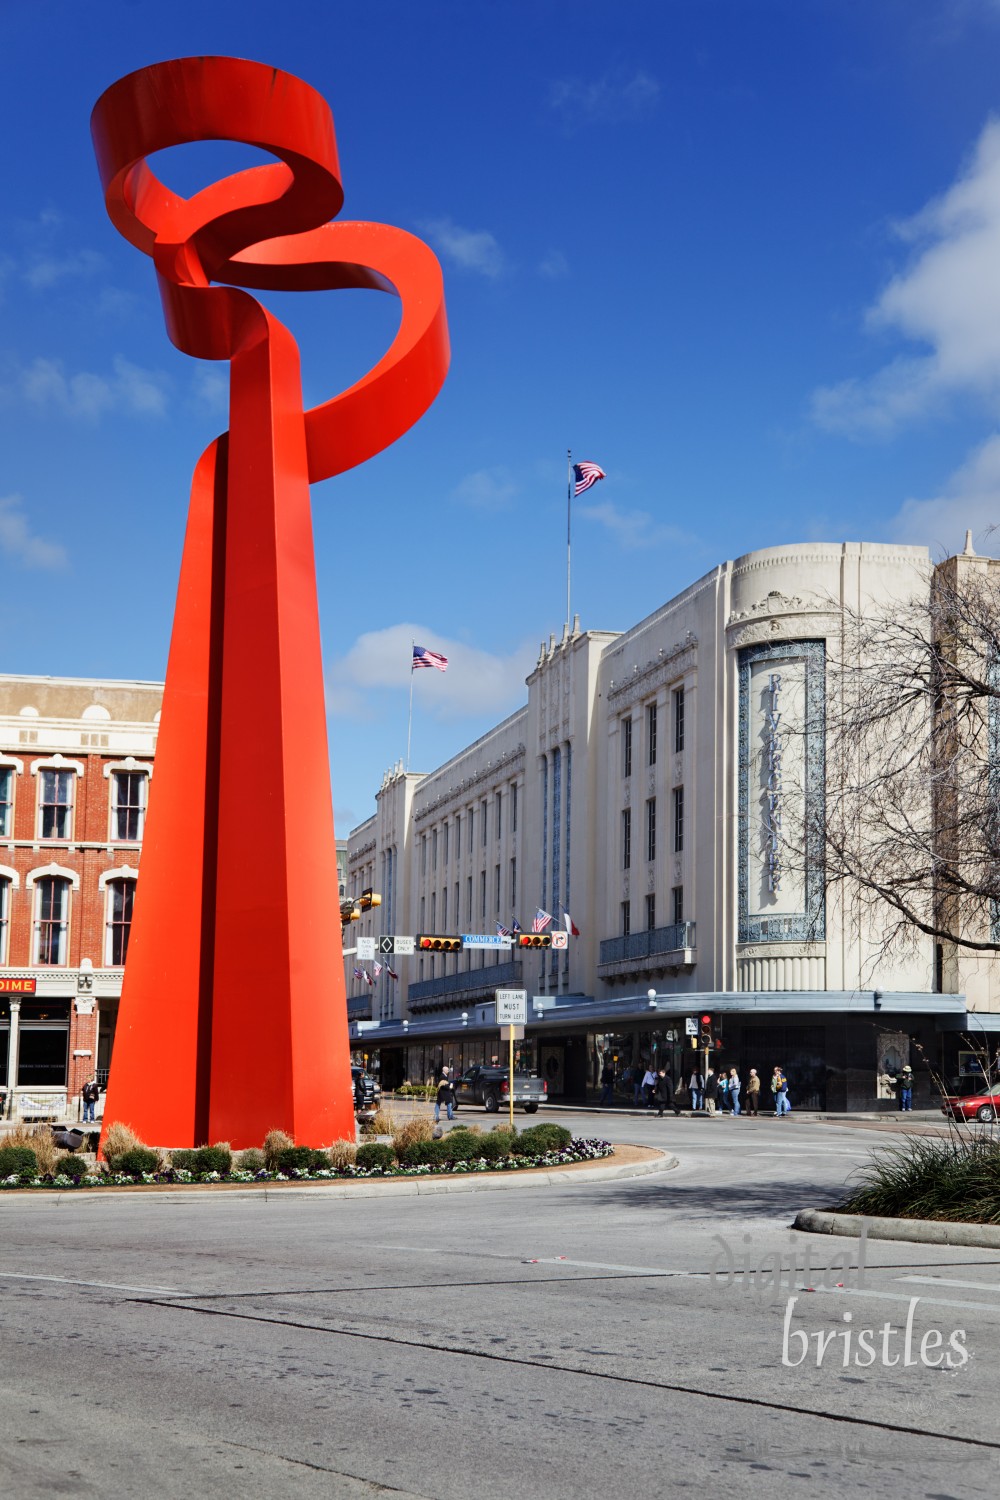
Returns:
(916, 1231)
(396, 1187)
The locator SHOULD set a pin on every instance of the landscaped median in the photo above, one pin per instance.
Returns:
(30, 1161)
(922, 1190)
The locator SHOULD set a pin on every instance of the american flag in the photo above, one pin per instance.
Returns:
(542, 920)
(586, 475)
(424, 658)
(359, 973)
(515, 927)
(377, 970)
(503, 931)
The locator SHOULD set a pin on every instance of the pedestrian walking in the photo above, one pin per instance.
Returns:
(711, 1089)
(445, 1096)
(735, 1087)
(91, 1094)
(753, 1092)
(664, 1093)
(696, 1088)
(607, 1083)
(779, 1088)
(649, 1086)
(905, 1085)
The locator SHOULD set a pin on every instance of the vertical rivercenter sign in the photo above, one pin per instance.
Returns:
(781, 794)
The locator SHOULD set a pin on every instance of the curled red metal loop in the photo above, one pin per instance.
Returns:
(267, 228)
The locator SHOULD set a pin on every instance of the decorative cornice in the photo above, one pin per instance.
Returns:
(665, 666)
(360, 853)
(778, 603)
(459, 793)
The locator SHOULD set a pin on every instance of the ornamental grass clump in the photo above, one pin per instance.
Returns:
(925, 1178)
(384, 1122)
(117, 1139)
(275, 1142)
(341, 1155)
(413, 1130)
(251, 1160)
(37, 1138)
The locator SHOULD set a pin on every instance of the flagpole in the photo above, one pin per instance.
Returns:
(409, 721)
(569, 496)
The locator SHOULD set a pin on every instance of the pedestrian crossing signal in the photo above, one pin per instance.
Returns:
(534, 940)
(428, 943)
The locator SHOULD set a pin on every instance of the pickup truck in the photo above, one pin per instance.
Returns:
(490, 1087)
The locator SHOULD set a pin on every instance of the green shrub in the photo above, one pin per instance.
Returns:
(375, 1154)
(251, 1160)
(547, 1136)
(135, 1162)
(463, 1145)
(495, 1146)
(303, 1159)
(212, 1159)
(182, 1161)
(424, 1153)
(71, 1166)
(18, 1161)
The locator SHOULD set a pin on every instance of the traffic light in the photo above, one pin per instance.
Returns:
(706, 1031)
(533, 939)
(349, 911)
(428, 943)
(369, 898)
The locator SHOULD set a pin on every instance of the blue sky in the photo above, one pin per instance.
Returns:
(744, 254)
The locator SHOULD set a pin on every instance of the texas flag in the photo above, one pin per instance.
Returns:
(569, 924)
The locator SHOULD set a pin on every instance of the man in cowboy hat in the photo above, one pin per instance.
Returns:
(905, 1085)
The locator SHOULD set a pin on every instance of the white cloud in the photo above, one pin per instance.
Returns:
(948, 299)
(555, 264)
(211, 388)
(46, 270)
(17, 540)
(487, 489)
(469, 249)
(970, 500)
(617, 96)
(45, 385)
(476, 682)
(632, 529)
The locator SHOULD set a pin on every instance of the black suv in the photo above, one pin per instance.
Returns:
(367, 1094)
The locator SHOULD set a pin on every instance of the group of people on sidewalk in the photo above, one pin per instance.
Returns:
(711, 1092)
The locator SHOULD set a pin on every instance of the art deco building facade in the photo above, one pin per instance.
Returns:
(639, 789)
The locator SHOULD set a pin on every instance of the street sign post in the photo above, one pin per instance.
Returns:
(486, 940)
(366, 948)
(512, 1033)
(512, 1013)
(560, 940)
(690, 1025)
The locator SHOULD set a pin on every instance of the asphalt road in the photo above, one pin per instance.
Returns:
(533, 1343)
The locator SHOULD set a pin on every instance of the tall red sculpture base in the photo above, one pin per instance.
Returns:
(233, 1013)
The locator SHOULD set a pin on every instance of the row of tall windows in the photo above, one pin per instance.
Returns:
(676, 907)
(443, 841)
(51, 895)
(678, 828)
(57, 792)
(652, 731)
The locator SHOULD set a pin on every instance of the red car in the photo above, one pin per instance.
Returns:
(972, 1099)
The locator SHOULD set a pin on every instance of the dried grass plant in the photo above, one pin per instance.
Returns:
(412, 1131)
(384, 1122)
(342, 1154)
(275, 1142)
(37, 1138)
(117, 1139)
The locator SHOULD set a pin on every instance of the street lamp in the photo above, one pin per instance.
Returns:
(651, 997)
(465, 1018)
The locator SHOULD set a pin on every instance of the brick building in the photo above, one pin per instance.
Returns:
(76, 759)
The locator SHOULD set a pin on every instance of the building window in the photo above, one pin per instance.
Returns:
(434, 915)
(444, 909)
(626, 747)
(484, 821)
(472, 829)
(128, 810)
(434, 850)
(482, 894)
(496, 886)
(468, 903)
(4, 918)
(55, 807)
(513, 885)
(51, 919)
(651, 733)
(627, 839)
(678, 720)
(423, 854)
(513, 807)
(444, 849)
(6, 801)
(499, 807)
(650, 913)
(626, 918)
(678, 819)
(458, 836)
(677, 898)
(651, 828)
(121, 894)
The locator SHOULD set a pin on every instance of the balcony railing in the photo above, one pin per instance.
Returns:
(466, 981)
(637, 945)
(359, 1007)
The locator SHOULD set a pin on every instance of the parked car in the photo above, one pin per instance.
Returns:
(367, 1093)
(972, 1099)
(490, 1087)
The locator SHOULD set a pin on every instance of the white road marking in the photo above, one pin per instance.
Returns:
(600, 1265)
(972, 1286)
(111, 1286)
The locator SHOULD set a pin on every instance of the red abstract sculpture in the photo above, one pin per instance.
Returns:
(235, 950)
